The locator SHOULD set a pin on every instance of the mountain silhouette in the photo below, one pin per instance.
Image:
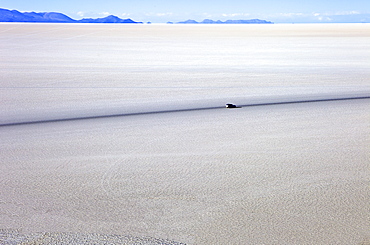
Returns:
(54, 17)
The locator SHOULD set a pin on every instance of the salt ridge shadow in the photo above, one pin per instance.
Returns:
(181, 110)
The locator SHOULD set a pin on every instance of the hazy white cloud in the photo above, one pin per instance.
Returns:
(316, 14)
(207, 15)
(236, 15)
(105, 14)
(101, 14)
(347, 13)
(159, 14)
(290, 14)
(125, 15)
(337, 13)
(81, 14)
(164, 14)
(330, 16)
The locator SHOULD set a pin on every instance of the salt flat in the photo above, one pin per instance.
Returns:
(273, 174)
(64, 70)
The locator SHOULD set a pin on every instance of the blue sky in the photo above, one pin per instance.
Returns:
(161, 11)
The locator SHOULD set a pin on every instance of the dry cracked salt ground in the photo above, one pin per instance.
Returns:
(13, 237)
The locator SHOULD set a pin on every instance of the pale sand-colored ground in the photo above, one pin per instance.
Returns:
(281, 174)
(286, 174)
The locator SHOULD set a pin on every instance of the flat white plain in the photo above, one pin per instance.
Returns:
(281, 174)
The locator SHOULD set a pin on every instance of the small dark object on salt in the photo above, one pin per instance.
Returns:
(231, 106)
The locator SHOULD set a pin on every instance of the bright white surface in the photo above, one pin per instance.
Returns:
(283, 174)
(67, 70)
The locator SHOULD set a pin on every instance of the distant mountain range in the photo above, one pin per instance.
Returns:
(54, 17)
(208, 21)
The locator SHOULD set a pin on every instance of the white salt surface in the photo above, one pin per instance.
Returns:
(278, 174)
(50, 71)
